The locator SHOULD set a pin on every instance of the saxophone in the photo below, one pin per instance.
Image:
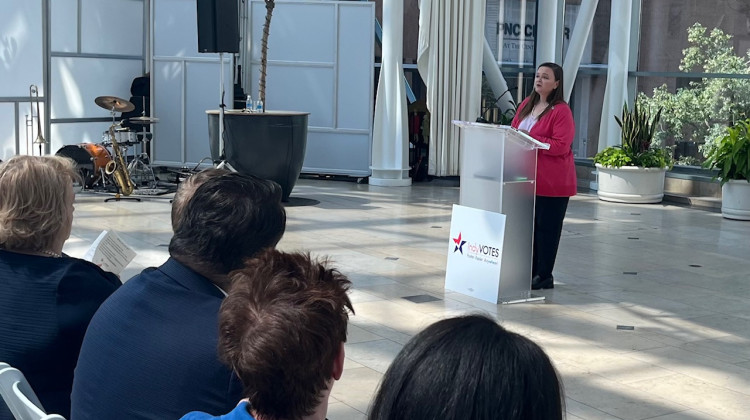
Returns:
(117, 167)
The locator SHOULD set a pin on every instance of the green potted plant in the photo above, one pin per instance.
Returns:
(730, 155)
(633, 172)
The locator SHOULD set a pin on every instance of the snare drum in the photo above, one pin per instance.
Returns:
(90, 159)
(125, 137)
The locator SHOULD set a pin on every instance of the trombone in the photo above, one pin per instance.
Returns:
(34, 97)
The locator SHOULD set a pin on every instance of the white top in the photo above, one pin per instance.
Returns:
(527, 123)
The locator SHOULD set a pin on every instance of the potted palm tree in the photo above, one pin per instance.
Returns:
(633, 172)
(731, 156)
(267, 144)
(270, 4)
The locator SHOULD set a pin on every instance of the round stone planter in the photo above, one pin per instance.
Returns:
(270, 145)
(735, 200)
(630, 184)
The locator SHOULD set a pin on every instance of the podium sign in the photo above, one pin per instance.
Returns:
(475, 248)
(498, 174)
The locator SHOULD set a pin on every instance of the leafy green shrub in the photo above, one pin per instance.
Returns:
(731, 154)
(613, 157)
(636, 149)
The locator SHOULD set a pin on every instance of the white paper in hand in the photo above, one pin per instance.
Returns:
(110, 253)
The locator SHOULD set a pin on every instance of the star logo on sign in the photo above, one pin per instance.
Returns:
(459, 244)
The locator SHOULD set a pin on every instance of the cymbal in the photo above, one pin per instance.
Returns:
(113, 103)
(143, 120)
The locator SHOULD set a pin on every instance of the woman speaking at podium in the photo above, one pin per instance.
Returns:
(545, 116)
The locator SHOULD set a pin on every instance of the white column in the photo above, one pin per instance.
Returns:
(578, 43)
(547, 31)
(615, 93)
(390, 138)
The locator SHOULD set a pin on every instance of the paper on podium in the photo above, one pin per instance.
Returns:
(110, 253)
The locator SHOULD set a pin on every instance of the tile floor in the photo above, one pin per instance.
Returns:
(679, 276)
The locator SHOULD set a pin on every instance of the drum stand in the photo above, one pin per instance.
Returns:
(141, 162)
(139, 167)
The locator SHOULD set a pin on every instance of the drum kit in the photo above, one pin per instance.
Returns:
(104, 165)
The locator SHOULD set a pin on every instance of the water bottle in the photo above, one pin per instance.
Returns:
(259, 106)
(249, 104)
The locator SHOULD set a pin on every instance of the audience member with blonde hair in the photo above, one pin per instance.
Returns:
(46, 297)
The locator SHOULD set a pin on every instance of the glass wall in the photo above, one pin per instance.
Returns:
(693, 63)
(510, 28)
(588, 91)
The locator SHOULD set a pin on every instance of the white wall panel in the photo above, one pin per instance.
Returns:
(21, 54)
(327, 149)
(299, 31)
(64, 25)
(183, 91)
(320, 60)
(76, 133)
(112, 27)
(186, 84)
(310, 90)
(354, 85)
(168, 99)
(202, 94)
(176, 29)
(12, 118)
(77, 81)
(8, 130)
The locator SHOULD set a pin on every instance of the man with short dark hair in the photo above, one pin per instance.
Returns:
(150, 350)
(282, 330)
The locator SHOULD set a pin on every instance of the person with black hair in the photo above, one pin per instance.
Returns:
(545, 116)
(150, 350)
(469, 367)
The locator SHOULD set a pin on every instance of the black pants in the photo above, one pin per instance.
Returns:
(548, 222)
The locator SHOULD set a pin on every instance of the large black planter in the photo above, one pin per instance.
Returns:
(269, 145)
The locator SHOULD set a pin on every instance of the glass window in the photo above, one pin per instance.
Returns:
(595, 52)
(693, 64)
(588, 90)
(510, 30)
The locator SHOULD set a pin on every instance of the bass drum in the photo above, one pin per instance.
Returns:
(90, 159)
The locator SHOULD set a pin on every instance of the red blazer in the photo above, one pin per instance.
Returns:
(556, 170)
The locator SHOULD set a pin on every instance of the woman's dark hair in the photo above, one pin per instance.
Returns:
(469, 368)
(555, 97)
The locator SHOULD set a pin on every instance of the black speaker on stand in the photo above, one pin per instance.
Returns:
(218, 27)
(218, 31)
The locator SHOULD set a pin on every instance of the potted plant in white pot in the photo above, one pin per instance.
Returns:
(731, 156)
(633, 172)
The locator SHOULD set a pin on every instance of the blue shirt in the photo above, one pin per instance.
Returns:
(239, 413)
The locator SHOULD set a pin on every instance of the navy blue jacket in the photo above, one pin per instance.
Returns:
(45, 306)
(150, 351)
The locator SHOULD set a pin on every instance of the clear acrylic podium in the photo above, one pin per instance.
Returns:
(498, 174)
